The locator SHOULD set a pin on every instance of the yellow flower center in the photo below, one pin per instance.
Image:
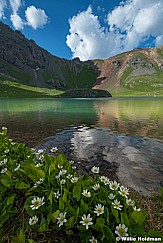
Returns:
(86, 221)
(99, 210)
(36, 203)
(122, 232)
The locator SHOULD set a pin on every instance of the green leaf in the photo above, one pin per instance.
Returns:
(54, 216)
(83, 207)
(43, 226)
(100, 222)
(124, 219)
(77, 191)
(20, 238)
(108, 233)
(139, 217)
(22, 186)
(27, 206)
(31, 241)
(10, 200)
(66, 192)
(52, 165)
(76, 214)
(86, 183)
(7, 181)
(61, 204)
(115, 213)
(70, 223)
(61, 159)
(69, 232)
(50, 197)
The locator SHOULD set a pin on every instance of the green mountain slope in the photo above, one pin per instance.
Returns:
(24, 66)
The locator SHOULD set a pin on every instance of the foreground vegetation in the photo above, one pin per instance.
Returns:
(42, 197)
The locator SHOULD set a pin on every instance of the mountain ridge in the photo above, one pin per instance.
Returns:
(23, 61)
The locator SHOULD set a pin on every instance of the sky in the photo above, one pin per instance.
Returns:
(88, 29)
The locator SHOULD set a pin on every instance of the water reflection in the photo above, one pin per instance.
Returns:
(32, 120)
(134, 116)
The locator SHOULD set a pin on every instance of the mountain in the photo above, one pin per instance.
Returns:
(24, 64)
(137, 71)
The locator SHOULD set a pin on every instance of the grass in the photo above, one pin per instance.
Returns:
(10, 89)
(85, 77)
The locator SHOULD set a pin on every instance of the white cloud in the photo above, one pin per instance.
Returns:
(87, 38)
(129, 24)
(159, 40)
(36, 18)
(3, 5)
(15, 5)
(17, 21)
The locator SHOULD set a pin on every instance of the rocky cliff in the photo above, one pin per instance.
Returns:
(23, 61)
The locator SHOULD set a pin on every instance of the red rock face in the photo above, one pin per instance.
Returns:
(141, 61)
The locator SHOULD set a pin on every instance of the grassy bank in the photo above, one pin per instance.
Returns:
(42, 199)
(10, 89)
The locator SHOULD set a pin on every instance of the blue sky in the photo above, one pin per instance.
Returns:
(86, 29)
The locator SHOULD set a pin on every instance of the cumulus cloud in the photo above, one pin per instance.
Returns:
(3, 5)
(159, 40)
(17, 21)
(15, 5)
(87, 38)
(129, 24)
(36, 18)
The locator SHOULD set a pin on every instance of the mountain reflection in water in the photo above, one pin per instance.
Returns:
(125, 124)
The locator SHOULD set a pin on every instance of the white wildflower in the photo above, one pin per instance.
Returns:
(63, 172)
(63, 181)
(136, 209)
(72, 162)
(57, 194)
(130, 202)
(61, 219)
(54, 149)
(60, 166)
(121, 230)
(95, 170)
(33, 220)
(38, 165)
(86, 193)
(6, 151)
(40, 151)
(4, 128)
(99, 209)
(124, 191)
(114, 185)
(37, 202)
(69, 176)
(73, 167)
(93, 240)
(117, 204)
(96, 187)
(17, 168)
(86, 220)
(74, 179)
(111, 196)
(3, 170)
(105, 180)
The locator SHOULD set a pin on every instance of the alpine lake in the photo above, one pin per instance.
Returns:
(123, 136)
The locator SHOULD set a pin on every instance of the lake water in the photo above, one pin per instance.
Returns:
(84, 121)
